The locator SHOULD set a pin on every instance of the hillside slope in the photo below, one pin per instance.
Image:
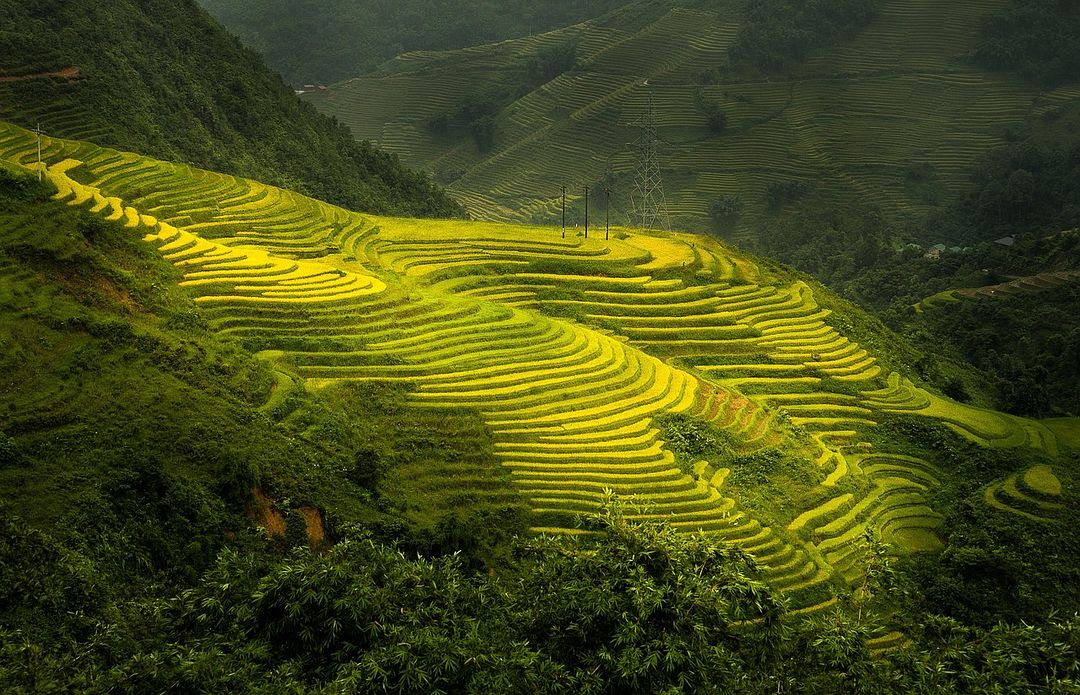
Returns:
(1023, 330)
(722, 393)
(894, 117)
(164, 78)
(330, 40)
(144, 443)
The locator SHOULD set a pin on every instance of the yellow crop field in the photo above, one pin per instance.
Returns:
(571, 349)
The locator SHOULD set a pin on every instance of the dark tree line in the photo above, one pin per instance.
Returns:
(1038, 40)
(642, 609)
(779, 33)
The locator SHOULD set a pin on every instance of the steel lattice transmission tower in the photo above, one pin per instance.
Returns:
(647, 199)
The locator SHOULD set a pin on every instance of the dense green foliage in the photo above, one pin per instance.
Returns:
(331, 40)
(1038, 40)
(1023, 187)
(777, 33)
(639, 610)
(1030, 344)
(163, 78)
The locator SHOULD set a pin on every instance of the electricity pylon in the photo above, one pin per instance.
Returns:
(647, 199)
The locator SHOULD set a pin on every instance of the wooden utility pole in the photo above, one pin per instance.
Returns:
(607, 212)
(586, 212)
(40, 169)
(564, 212)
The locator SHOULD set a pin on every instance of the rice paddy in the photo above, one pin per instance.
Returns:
(569, 348)
(1034, 494)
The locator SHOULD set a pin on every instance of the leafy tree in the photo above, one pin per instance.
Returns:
(724, 210)
(648, 609)
(781, 193)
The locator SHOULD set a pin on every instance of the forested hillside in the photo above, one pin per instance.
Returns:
(164, 78)
(326, 41)
(1038, 40)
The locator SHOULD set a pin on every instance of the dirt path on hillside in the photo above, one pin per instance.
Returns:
(70, 73)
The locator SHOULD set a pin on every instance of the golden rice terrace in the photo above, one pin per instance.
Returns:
(571, 349)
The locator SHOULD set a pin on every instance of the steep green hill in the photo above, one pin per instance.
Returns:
(1019, 325)
(123, 413)
(330, 40)
(185, 349)
(724, 393)
(895, 116)
(164, 78)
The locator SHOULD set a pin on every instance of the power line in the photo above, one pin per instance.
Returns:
(586, 211)
(564, 212)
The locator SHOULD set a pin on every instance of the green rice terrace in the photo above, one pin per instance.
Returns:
(1033, 284)
(895, 115)
(718, 392)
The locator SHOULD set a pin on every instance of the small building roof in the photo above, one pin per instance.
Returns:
(1006, 240)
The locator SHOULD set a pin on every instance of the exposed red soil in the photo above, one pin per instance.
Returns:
(262, 511)
(316, 532)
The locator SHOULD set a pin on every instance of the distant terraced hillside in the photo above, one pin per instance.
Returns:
(1033, 284)
(882, 118)
(571, 350)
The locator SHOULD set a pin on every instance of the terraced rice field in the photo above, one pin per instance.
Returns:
(54, 81)
(849, 122)
(1034, 494)
(568, 348)
(1032, 284)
